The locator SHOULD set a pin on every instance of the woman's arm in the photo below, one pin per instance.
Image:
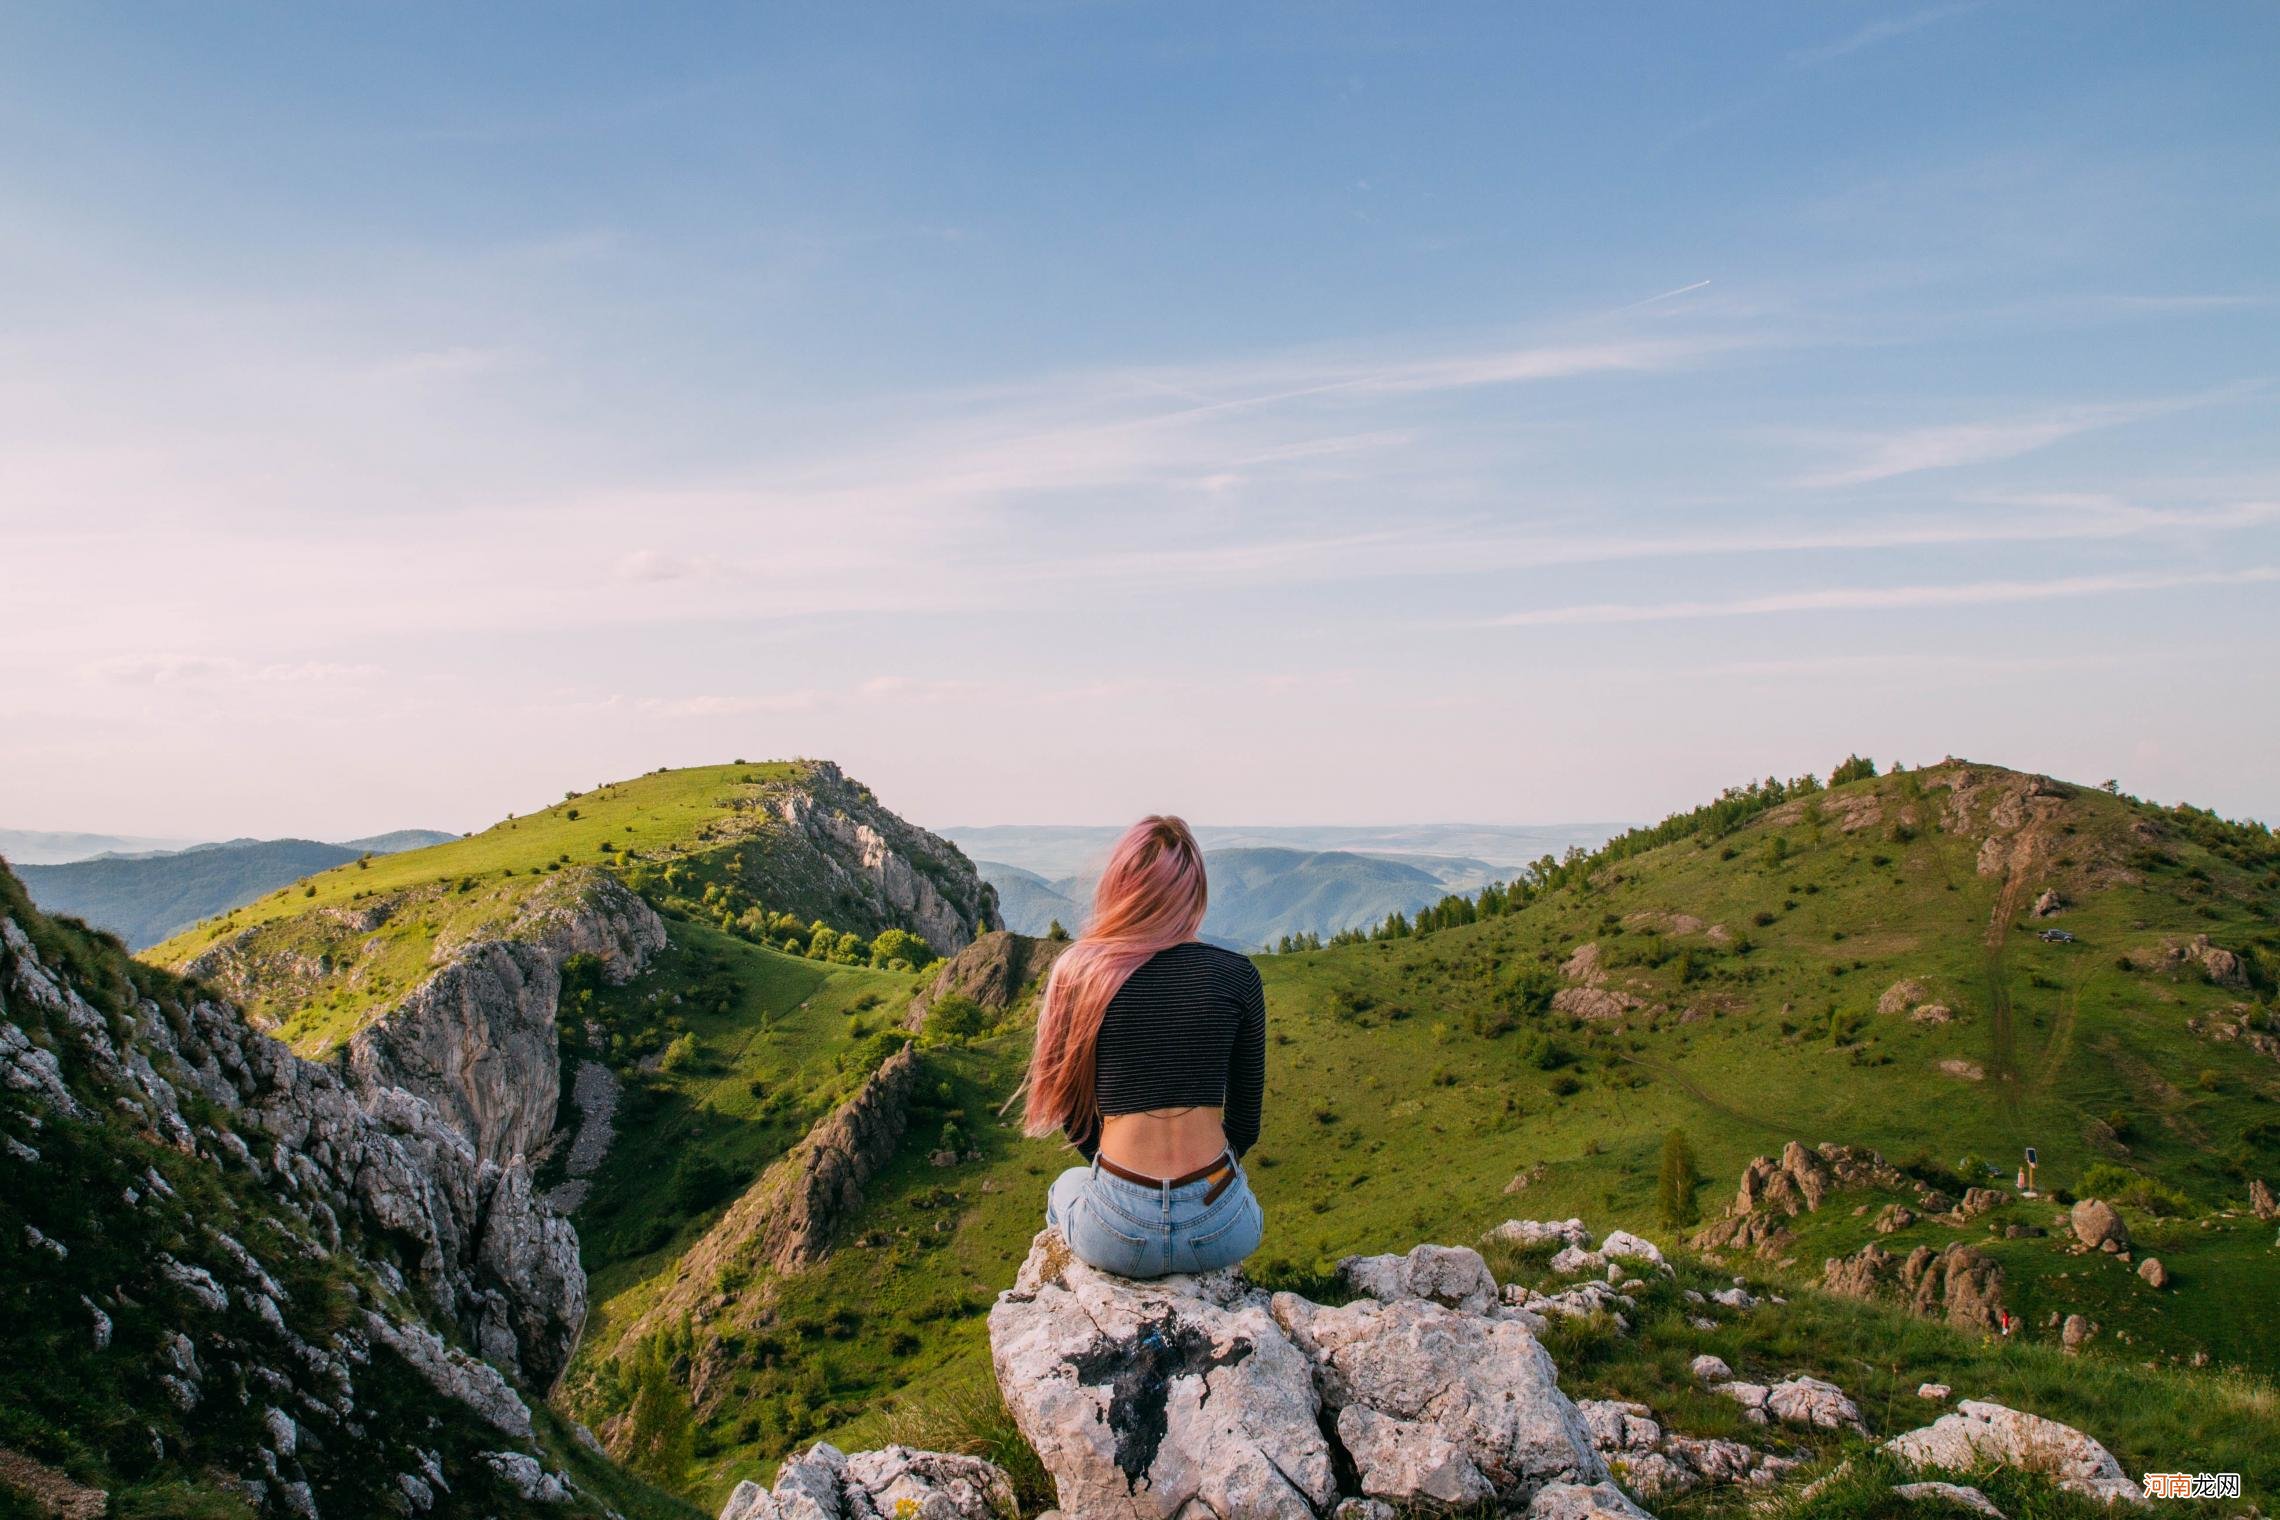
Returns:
(1247, 1066)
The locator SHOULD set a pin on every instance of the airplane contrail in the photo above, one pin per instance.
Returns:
(1666, 295)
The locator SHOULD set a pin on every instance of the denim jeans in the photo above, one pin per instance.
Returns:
(1139, 1229)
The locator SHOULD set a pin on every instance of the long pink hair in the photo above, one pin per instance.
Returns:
(1151, 896)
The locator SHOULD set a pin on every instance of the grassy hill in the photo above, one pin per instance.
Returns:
(1740, 988)
(717, 844)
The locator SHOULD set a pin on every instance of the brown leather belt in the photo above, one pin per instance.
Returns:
(1220, 1172)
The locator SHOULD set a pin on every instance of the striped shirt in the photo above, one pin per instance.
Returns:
(1187, 1029)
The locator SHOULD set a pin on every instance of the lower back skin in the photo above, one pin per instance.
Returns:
(1164, 1143)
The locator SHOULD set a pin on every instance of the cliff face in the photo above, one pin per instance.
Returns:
(885, 871)
(997, 971)
(230, 1244)
(477, 1039)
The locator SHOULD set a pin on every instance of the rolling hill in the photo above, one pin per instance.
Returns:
(1861, 964)
(144, 898)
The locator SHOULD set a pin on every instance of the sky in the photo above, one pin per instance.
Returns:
(1055, 412)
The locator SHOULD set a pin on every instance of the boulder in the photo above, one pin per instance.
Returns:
(1809, 1401)
(1960, 1283)
(1534, 1232)
(1580, 1501)
(1894, 1217)
(2260, 1201)
(1451, 1275)
(2047, 904)
(1442, 1406)
(826, 1484)
(1711, 1369)
(1978, 1433)
(2098, 1226)
(2076, 1333)
(2155, 1274)
(1178, 1397)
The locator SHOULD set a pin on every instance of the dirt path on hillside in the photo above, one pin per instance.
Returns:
(2024, 858)
(1670, 1075)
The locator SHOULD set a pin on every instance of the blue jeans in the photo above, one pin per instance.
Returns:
(1149, 1230)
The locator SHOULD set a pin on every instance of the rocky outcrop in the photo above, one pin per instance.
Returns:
(1960, 1283)
(1774, 1189)
(477, 1039)
(282, 1240)
(2222, 967)
(886, 872)
(786, 1221)
(997, 971)
(1203, 1396)
(1977, 1434)
(1798, 1401)
(1654, 1461)
(2260, 1201)
(898, 1483)
(1182, 1397)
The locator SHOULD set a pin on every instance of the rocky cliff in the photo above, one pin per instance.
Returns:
(997, 972)
(477, 1039)
(244, 1261)
(878, 869)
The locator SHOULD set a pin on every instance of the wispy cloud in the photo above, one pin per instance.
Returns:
(1877, 32)
(1949, 446)
(1879, 598)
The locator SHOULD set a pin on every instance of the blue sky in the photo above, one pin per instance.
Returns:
(1057, 411)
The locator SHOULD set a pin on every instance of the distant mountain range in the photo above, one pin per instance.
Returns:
(35, 847)
(1053, 851)
(1257, 895)
(1268, 881)
(144, 896)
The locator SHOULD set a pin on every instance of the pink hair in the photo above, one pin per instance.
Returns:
(1151, 896)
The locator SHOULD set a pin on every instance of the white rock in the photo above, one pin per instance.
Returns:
(1977, 1433)
(1622, 1243)
(1711, 1369)
(1451, 1275)
(1577, 1501)
(1444, 1402)
(1809, 1401)
(1178, 1397)
(1532, 1232)
(527, 1478)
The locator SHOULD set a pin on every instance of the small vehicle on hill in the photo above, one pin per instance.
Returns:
(2058, 936)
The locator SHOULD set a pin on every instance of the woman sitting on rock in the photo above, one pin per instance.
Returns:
(1151, 1056)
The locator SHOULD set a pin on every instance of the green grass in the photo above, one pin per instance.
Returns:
(1410, 1080)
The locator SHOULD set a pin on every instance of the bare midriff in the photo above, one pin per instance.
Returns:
(1166, 1142)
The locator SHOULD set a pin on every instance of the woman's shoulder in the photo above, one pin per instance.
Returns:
(1221, 963)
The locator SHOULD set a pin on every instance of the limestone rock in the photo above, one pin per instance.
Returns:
(2098, 1226)
(996, 971)
(1533, 1232)
(2076, 1333)
(1451, 1275)
(2049, 903)
(1809, 1401)
(1178, 1397)
(2260, 1200)
(1711, 1369)
(2155, 1274)
(824, 1483)
(1894, 1217)
(1437, 1404)
(1978, 1433)
(1579, 1501)
(530, 1481)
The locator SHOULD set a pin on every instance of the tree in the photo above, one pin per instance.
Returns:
(1055, 932)
(661, 1435)
(1855, 768)
(1674, 1193)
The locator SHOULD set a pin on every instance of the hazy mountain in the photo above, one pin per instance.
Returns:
(145, 897)
(1257, 895)
(1028, 902)
(400, 840)
(33, 847)
(1053, 851)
